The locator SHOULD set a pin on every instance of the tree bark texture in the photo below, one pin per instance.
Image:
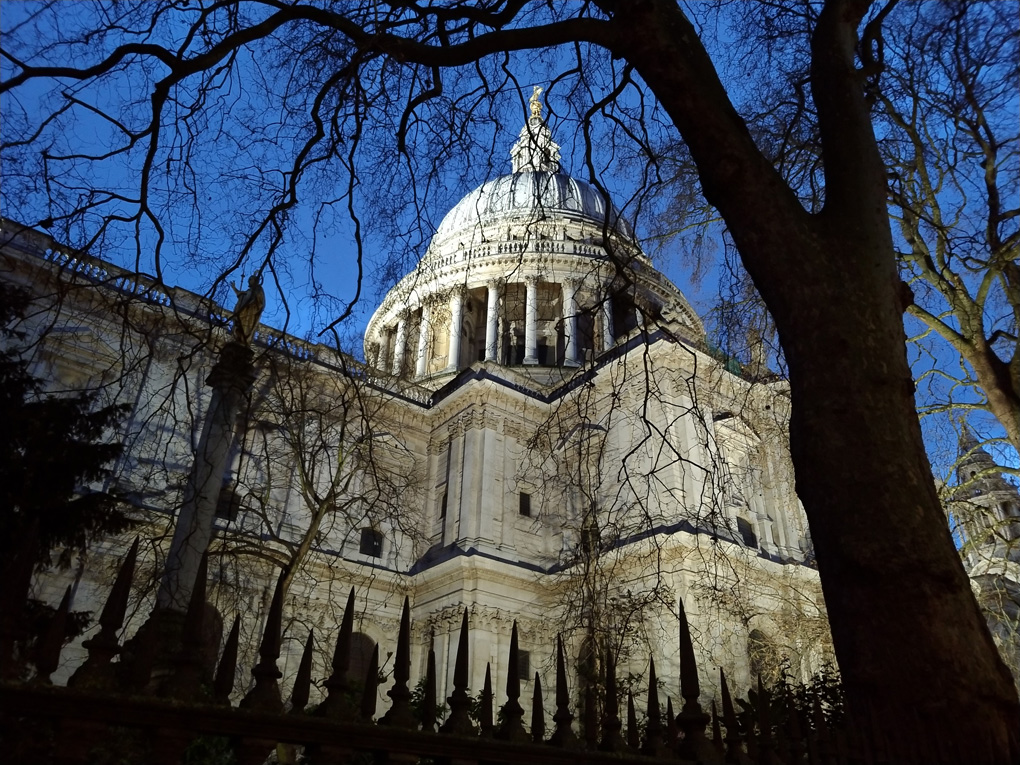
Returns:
(912, 645)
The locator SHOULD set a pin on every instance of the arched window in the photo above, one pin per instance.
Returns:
(763, 658)
(361, 654)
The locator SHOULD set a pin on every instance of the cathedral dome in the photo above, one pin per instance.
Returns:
(534, 270)
(530, 196)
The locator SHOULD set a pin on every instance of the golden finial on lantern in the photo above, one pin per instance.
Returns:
(536, 105)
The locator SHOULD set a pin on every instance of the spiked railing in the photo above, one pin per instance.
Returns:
(265, 696)
(338, 729)
(512, 729)
(96, 672)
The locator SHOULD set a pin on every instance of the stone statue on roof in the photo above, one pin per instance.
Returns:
(248, 311)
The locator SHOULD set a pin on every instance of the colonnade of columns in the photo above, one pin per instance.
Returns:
(391, 349)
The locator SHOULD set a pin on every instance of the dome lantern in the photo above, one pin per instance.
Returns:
(535, 148)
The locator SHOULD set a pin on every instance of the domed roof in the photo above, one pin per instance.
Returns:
(536, 191)
(531, 196)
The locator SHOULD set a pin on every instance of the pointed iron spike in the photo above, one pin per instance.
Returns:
(271, 637)
(632, 732)
(428, 706)
(460, 671)
(116, 604)
(97, 671)
(371, 693)
(717, 731)
(611, 718)
(653, 727)
(459, 720)
(485, 714)
(564, 735)
(342, 651)
(734, 750)
(224, 682)
(339, 704)
(690, 687)
(400, 713)
(265, 696)
(187, 678)
(562, 693)
(513, 678)
(47, 652)
(191, 638)
(303, 679)
(671, 731)
(512, 728)
(729, 716)
(537, 713)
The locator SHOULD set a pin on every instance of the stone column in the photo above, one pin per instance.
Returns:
(400, 345)
(385, 360)
(230, 379)
(456, 326)
(531, 320)
(372, 357)
(424, 330)
(492, 320)
(607, 322)
(569, 287)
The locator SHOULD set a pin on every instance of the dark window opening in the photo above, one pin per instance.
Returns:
(542, 352)
(524, 665)
(442, 506)
(525, 505)
(747, 532)
(591, 541)
(519, 351)
(229, 503)
(371, 542)
(624, 315)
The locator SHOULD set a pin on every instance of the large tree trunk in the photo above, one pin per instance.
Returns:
(918, 661)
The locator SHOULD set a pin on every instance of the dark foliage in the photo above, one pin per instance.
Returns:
(52, 448)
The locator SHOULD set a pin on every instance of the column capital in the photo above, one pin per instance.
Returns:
(495, 284)
(532, 279)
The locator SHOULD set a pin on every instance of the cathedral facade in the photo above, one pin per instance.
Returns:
(538, 434)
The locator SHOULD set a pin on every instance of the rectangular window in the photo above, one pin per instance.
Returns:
(442, 506)
(229, 503)
(371, 543)
(542, 352)
(525, 505)
(524, 665)
(746, 532)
